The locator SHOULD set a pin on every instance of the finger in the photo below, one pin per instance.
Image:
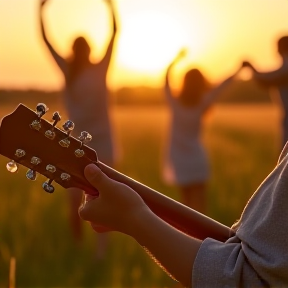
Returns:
(87, 210)
(98, 179)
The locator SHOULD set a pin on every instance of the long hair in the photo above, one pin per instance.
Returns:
(194, 87)
(283, 45)
(79, 60)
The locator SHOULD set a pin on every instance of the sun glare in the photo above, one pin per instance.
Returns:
(149, 41)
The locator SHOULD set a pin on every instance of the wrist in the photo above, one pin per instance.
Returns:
(137, 222)
(145, 224)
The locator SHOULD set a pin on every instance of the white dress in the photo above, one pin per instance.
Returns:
(186, 159)
(86, 101)
(87, 105)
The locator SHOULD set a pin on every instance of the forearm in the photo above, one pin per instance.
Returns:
(61, 62)
(167, 83)
(112, 9)
(43, 33)
(114, 21)
(120, 208)
(174, 251)
(273, 78)
(167, 86)
(176, 214)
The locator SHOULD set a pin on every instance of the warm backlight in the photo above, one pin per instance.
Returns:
(149, 41)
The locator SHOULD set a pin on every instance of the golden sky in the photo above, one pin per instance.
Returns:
(218, 34)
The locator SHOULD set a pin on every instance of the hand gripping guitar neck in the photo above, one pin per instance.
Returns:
(28, 139)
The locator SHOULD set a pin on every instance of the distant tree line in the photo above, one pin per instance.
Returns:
(240, 92)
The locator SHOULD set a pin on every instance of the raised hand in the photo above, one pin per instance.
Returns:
(246, 64)
(43, 2)
(109, 2)
(182, 53)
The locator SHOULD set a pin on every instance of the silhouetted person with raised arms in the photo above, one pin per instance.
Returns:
(187, 163)
(279, 79)
(87, 104)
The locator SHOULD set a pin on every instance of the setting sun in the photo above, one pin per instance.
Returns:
(149, 41)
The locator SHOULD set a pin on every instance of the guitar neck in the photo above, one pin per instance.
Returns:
(176, 214)
(18, 132)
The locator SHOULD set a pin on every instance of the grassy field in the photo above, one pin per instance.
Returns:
(243, 143)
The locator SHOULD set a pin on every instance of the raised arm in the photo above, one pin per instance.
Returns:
(168, 92)
(211, 96)
(61, 62)
(273, 78)
(107, 57)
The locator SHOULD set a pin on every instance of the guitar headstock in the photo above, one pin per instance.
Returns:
(28, 139)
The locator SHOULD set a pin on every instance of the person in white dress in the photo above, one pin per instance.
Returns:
(86, 99)
(186, 161)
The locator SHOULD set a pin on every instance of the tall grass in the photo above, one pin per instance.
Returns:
(243, 144)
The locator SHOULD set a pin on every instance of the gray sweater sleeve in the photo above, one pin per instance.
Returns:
(257, 256)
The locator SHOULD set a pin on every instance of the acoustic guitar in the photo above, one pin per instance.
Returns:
(27, 139)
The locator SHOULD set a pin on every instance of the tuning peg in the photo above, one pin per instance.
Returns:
(50, 168)
(12, 166)
(56, 117)
(41, 109)
(20, 153)
(84, 137)
(50, 133)
(68, 127)
(48, 187)
(31, 175)
(35, 160)
(65, 177)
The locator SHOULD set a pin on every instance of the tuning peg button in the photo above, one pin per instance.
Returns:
(56, 117)
(50, 134)
(12, 166)
(84, 137)
(31, 175)
(68, 127)
(48, 187)
(35, 160)
(41, 109)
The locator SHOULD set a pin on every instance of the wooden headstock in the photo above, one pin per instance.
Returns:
(25, 132)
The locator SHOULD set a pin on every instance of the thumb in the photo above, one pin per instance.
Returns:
(96, 177)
